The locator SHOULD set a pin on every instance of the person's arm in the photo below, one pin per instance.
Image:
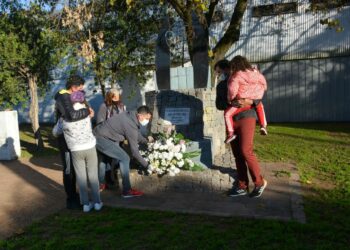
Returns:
(132, 137)
(70, 114)
(101, 114)
(245, 102)
(141, 138)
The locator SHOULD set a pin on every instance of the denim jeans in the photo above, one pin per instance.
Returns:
(114, 151)
(104, 164)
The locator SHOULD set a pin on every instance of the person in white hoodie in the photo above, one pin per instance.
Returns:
(81, 142)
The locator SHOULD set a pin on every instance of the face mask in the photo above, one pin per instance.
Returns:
(144, 122)
(222, 77)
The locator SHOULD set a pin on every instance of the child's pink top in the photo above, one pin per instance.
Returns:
(246, 84)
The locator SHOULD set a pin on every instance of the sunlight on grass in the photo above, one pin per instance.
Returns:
(320, 151)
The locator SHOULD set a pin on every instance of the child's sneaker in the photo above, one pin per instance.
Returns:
(98, 206)
(263, 131)
(230, 138)
(87, 208)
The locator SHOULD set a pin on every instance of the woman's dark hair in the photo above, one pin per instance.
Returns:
(222, 64)
(240, 63)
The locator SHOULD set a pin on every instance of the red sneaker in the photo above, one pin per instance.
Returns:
(132, 193)
(103, 187)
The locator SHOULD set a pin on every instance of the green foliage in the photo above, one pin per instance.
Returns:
(28, 47)
(320, 151)
(126, 34)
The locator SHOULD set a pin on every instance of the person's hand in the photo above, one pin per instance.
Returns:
(242, 103)
(150, 139)
(92, 112)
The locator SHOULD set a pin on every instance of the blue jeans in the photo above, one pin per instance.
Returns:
(104, 163)
(113, 150)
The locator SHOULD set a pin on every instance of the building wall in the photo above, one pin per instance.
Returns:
(307, 90)
(286, 36)
(132, 96)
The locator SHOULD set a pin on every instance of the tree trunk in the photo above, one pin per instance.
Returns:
(34, 111)
(200, 60)
(162, 59)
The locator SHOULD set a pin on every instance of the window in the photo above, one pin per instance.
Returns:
(328, 4)
(274, 9)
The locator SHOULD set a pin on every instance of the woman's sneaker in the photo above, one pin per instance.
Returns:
(257, 192)
(103, 187)
(237, 191)
(230, 138)
(98, 206)
(132, 193)
(87, 208)
(263, 131)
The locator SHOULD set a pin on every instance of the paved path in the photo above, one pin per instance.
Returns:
(32, 189)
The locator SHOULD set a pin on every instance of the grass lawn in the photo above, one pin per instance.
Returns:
(322, 155)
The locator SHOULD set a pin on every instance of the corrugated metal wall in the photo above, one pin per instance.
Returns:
(287, 36)
(307, 65)
(308, 90)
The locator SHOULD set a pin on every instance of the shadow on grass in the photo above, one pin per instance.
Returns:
(117, 228)
(28, 146)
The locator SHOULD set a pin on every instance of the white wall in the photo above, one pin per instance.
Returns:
(132, 96)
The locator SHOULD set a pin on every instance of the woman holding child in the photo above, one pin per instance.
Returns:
(244, 85)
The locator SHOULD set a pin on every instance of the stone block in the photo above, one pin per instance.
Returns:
(9, 136)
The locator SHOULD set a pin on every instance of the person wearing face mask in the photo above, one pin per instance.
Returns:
(222, 70)
(120, 127)
(110, 107)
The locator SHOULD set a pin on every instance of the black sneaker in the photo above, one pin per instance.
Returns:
(237, 191)
(257, 192)
(263, 131)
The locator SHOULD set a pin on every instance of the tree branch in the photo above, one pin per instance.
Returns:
(233, 32)
(179, 8)
(210, 13)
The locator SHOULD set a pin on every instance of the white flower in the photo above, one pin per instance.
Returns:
(176, 170)
(180, 164)
(151, 157)
(165, 155)
(183, 148)
(170, 156)
(163, 163)
(178, 156)
(171, 173)
(190, 162)
(156, 145)
(176, 149)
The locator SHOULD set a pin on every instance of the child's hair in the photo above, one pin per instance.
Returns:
(78, 96)
(240, 63)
